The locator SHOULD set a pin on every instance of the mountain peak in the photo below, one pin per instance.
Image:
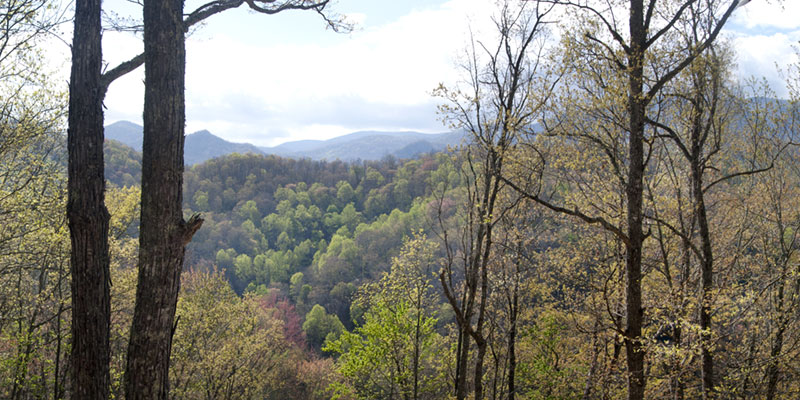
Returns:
(198, 146)
(126, 132)
(204, 132)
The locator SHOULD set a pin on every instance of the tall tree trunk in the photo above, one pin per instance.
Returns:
(86, 210)
(676, 383)
(417, 339)
(634, 196)
(478, 384)
(163, 233)
(707, 260)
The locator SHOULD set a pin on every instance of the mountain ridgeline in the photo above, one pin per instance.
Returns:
(366, 145)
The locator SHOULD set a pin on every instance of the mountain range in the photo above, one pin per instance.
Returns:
(364, 145)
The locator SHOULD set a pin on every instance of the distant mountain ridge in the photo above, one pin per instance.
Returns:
(203, 145)
(368, 145)
(127, 133)
(365, 145)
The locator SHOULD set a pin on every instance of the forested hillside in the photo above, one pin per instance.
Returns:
(273, 222)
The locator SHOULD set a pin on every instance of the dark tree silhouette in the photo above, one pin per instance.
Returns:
(86, 211)
(163, 232)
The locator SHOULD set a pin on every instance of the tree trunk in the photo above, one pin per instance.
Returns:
(462, 356)
(86, 211)
(512, 341)
(163, 233)
(773, 371)
(481, 345)
(707, 260)
(634, 196)
(676, 383)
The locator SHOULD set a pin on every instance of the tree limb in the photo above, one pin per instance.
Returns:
(215, 7)
(574, 212)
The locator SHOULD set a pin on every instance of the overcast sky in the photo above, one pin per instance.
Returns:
(271, 79)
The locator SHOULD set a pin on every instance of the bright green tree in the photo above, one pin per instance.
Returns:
(320, 326)
(396, 352)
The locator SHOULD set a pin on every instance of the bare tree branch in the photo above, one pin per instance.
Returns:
(209, 9)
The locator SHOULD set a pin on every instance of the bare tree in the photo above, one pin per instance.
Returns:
(493, 109)
(629, 47)
(164, 233)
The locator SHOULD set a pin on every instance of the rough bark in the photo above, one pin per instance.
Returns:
(86, 211)
(163, 231)
(773, 371)
(634, 196)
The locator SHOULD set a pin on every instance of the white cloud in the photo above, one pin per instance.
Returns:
(126, 94)
(769, 14)
(355, 18)
(764, 55)
(763, 34)
(397, 64)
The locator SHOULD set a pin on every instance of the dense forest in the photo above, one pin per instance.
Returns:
(622, 221)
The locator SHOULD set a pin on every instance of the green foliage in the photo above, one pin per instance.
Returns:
(542, 369)
(224, 345)
(225, 258)
(377, 358)
(396, 351)
(320, 327)
(249, 211)
(298, 291)
(302, 226)
(345, 193)
(34, 241)
(123, 165)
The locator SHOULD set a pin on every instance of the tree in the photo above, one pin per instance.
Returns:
(633, 59)
(396, 352)
(163, 232)
(707, 146)
(320, 326)
(34, 260)
(86, 211)
(764, 284)
(493, 109)
(229, 347)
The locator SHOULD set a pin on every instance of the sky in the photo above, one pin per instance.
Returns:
(269, 79)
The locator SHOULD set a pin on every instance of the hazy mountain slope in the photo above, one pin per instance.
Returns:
(123, 164)
(125, 132)
(364, 145)
(296, 147)
(201, 146)
(198, 147)
(368, 145)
